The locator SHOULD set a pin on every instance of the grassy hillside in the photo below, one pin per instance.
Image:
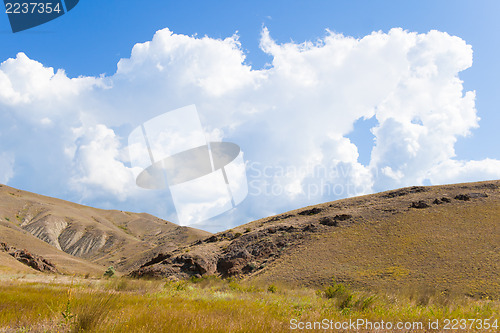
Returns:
(445, 248)
(439, 239)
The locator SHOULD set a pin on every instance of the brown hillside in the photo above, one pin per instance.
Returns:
(440, 238)
(10, 265)
(81, 239)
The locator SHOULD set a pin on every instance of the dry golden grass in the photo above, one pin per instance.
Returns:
(209, 305)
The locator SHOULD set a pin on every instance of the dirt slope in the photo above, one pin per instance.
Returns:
(440, 238)
(9, 265)
(85, 239)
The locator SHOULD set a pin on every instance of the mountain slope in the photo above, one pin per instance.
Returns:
(75, 232)
(439, 238)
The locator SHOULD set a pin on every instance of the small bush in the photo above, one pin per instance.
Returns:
(110, 272)
(346, 299)
(341, 293)
(124, 228)
(336, 290)
(272, 288)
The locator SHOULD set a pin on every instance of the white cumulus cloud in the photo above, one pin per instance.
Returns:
(98, 162)
(291, 119)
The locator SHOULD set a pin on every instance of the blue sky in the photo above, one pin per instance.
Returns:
(90, 40)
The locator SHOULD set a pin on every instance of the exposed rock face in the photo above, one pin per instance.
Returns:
(183, 266)
(74, 239)
(89, 242)
(36, 262)
(48, 228)
(244, 254)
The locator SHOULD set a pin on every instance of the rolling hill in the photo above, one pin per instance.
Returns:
(81, 239)
(443, 239)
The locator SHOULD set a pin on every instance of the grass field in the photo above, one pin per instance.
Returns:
(213, 305)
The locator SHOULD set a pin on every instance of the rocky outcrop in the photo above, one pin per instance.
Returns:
(441, 201)
(181, 266)
(463, 197)
(312, 211)
(334, 221)
(244, 254)
(419, 204)
(36, 262)
(404, 191)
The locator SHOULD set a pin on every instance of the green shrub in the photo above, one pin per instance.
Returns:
(110, 272)
(272, 288)
(336, 291)
(345, 298)
(341, 294)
